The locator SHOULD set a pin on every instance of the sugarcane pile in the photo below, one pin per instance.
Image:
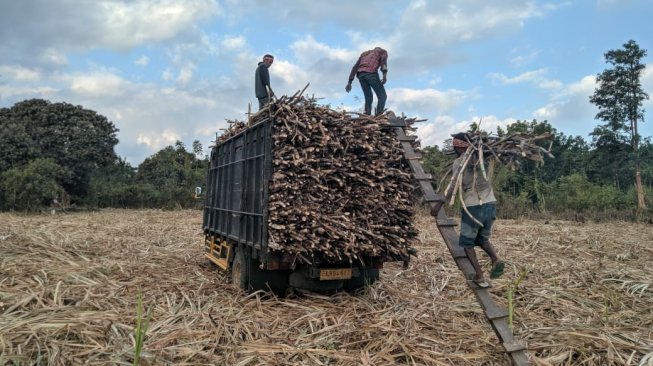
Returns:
(340, 189)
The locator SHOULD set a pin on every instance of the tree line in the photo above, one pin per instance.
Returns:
(65, 152)
(584, 178)
(62, 152)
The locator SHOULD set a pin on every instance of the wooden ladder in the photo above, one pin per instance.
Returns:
(496, 315)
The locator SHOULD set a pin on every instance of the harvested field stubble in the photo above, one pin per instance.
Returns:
(69, 286)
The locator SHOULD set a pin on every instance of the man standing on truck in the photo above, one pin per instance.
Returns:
(262, 81)
(366, 69)
(478, 197)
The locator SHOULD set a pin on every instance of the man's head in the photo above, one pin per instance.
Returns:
(460, 143)
(268, 60)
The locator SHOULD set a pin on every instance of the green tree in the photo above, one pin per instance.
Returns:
(198, 150)
(111, 185)
(437, 163)
(619, 96)
(33, 185)
(175, 173)
(77, 139)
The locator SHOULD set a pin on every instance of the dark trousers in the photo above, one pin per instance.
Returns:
(370, 81)
(262, 102)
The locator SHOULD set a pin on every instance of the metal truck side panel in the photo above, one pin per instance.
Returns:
(237, 192)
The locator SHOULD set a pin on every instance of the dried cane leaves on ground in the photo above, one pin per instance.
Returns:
(69, 286)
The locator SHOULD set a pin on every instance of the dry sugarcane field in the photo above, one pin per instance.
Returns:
(70, 285)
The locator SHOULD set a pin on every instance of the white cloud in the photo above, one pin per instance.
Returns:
(127, 25)
(647, 84)
(85, 25)
(548, 112)
(308, 51)
(166, 75)
(156, 141)
(569, 106)
(142, 61)
(310, 15)
(522, 60)
(290, 74)
(527, 76)
(234, 43)
(585, 86)
(98, 84)
(185, 73)
(19, 73)
(53, 56)
(550, 84)
(427, 99)
(536, 77)
(434, 133)
(438, 23)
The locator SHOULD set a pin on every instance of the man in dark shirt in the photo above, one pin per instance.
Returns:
(262, 81)
(366, 69)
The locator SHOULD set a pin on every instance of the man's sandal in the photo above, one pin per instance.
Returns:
(497, 269)
(482, 283)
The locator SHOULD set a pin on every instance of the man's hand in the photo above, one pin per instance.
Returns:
(348, 88)
(435, 209)
(383, 81)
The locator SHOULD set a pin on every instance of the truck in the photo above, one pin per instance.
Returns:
(235, 224)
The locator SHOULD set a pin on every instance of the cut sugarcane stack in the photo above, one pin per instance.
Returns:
(340, 188)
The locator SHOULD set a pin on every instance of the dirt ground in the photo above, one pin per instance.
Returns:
(70, 283)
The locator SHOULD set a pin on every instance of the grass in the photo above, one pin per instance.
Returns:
(512, 287)
(142, 322)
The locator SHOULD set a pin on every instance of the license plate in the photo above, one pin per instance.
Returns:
(335, 274)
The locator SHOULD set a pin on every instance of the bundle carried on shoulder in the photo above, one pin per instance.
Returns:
(484, 151)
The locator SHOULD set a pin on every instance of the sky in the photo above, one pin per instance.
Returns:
(168, 70)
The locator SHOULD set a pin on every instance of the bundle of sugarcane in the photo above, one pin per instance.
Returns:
(234, 128)
(483, 151)
(340, 188)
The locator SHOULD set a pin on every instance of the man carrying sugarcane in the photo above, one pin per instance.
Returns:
(479, 206)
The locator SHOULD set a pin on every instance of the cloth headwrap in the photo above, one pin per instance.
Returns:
(458, 142)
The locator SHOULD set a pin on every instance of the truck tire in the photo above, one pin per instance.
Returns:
(268, 280)
(239, 269)
(367, 277)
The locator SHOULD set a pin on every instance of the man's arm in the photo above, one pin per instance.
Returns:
(384, 66)
(352, 74)
(437, 206)
(265, 79)
(265, 76)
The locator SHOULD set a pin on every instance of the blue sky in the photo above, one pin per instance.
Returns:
(167, 70)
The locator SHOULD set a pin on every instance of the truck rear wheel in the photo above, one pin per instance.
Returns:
(239, 269)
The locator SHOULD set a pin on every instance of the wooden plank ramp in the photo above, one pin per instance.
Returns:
(497, 316)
